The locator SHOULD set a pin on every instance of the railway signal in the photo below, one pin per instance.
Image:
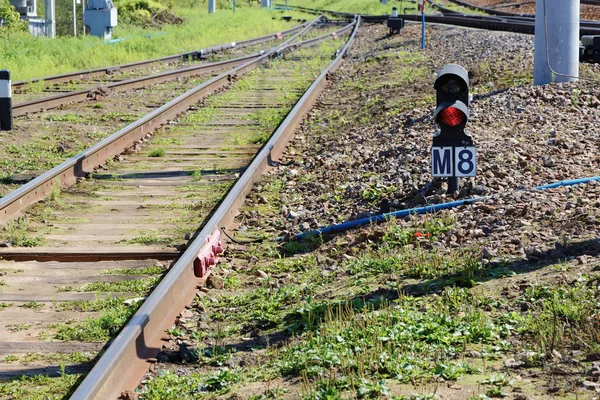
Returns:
(452, 153)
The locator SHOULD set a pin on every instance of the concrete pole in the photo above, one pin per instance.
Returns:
(49, 18)
(559, 19)
(74, 18)
(212, 5)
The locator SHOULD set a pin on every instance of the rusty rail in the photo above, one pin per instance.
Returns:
(124, 361)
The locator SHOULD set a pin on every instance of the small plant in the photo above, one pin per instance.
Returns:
(159, 152)
(220, 381)
(32, 305)
(470, 271)
(18, 234)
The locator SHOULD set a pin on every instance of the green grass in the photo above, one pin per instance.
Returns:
(38, 387)
(156, 270)
(159, 152)
(130, 286)
(114, 315)
(33, 305)
(30, 57)
(19, 234)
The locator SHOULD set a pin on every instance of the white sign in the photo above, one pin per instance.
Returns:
(464, 161)
(453, 161)
(441, 161)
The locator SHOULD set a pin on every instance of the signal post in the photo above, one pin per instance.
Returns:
(453, 153)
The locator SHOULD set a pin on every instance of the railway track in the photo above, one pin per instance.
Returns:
(506, 23)
(55, 91)
(40, 141)
(108, 236)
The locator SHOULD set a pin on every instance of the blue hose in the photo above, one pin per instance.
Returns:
(421, 210)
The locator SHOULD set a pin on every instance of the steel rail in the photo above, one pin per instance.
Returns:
(489, 10)
(140, 338)
(510, 23)
(77, 96)
(66, 173)
(164, 60)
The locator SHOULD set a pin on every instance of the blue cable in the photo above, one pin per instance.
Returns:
(421, 210)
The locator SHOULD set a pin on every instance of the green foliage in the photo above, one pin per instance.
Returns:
(401, 341)
(100, 329)
(158, 152)
(39, 387)
(130, 286)
(20, 235)
(31, 57)
(12, 21)
(140, 12)
(172, 386)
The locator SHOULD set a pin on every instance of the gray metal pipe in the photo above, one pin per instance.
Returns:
(556, 57)
(212, 5)
(50, 20)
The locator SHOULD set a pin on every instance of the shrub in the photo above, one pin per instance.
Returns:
(12, 21)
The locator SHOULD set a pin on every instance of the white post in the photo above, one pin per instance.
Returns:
(49, 18)
(212, 5)
(74, 18)
(82, 16)
(556, 56)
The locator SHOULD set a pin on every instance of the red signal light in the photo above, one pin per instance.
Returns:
(451, 117)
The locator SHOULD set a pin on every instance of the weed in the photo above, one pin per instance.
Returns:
(114, 316)
(32, 305)
(155, 270)
(18, 327)
(19, 234)
(159, 152)
(4, 305)
(130, 286)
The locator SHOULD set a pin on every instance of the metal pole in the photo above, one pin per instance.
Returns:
(234, 6)
(423, 26)
(49, 13)
(212, 4)
(74, 18)
(453, 184)
(82, 17)
(556, 56)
